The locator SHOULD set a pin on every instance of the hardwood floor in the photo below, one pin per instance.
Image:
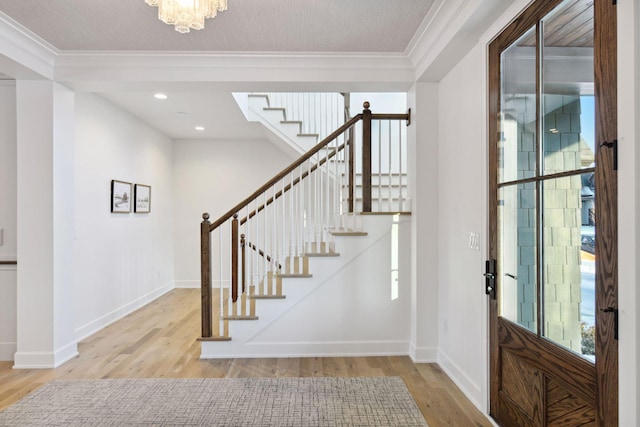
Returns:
(159, 341)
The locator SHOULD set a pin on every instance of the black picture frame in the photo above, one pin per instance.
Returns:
(142, 197)
(120, 196)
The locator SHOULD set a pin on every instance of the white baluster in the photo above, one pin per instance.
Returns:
(263, 245)
(221, 274)
(256, 239)
(379, 165)
(400, 188)
(282, 255)
(337, 182)
(390, 204)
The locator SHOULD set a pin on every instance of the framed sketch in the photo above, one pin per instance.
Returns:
(120, 196)
(143, 198)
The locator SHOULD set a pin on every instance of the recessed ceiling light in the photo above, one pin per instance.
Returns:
(199, 127)
(160, 96)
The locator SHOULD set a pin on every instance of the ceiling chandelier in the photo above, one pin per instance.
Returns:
(187, 14)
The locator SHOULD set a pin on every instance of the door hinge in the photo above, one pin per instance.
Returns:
(490, 278)
(613, 311)
(613, 144)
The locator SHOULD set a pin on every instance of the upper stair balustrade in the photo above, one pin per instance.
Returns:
(319, 114)
(269, 236)
(300, 119)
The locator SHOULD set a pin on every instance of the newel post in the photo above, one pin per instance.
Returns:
(366, 158)
(243, 261)
(205, 284)
(234, 258)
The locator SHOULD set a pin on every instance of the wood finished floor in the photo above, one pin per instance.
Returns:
(159, 341)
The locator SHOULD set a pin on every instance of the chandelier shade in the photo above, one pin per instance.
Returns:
(187, 14)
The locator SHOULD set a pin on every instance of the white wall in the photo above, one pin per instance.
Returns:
(122, 260)
(214, 176)
(461, 207)
(8, 219)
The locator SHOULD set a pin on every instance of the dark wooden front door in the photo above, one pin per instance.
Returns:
(553, 216)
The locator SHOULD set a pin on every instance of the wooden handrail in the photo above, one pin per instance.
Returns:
(284, 172)
(9, 262)
(392, 116)
(289, 186)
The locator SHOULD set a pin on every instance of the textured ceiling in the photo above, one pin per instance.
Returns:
(385, 26)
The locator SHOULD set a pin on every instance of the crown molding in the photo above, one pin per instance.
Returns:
(84, 69)
(450, 30)
(24, 55)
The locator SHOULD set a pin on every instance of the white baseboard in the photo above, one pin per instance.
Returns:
(7, 351)
(187, 284)
(462, 380)
(423, 354)
(45, 359)
(231, 349)
(102, 322)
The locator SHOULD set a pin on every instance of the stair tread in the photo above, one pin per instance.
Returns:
(382, 174)
(321, 254)
(291, 122)
(386, 185)
(295, 275)
(315, 135)
(267, 296)
(240, 318)
(348, 233)
(384, 213)
(214, 339)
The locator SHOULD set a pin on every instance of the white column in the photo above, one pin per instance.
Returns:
(45, 309)
(8, 219)
(422, 170)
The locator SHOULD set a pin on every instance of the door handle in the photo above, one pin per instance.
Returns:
(490, 278)
(511, 275)
(614, 311)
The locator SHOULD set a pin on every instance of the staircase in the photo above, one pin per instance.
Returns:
(309, 231)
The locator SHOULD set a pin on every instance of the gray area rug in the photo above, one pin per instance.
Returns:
(370, 401)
